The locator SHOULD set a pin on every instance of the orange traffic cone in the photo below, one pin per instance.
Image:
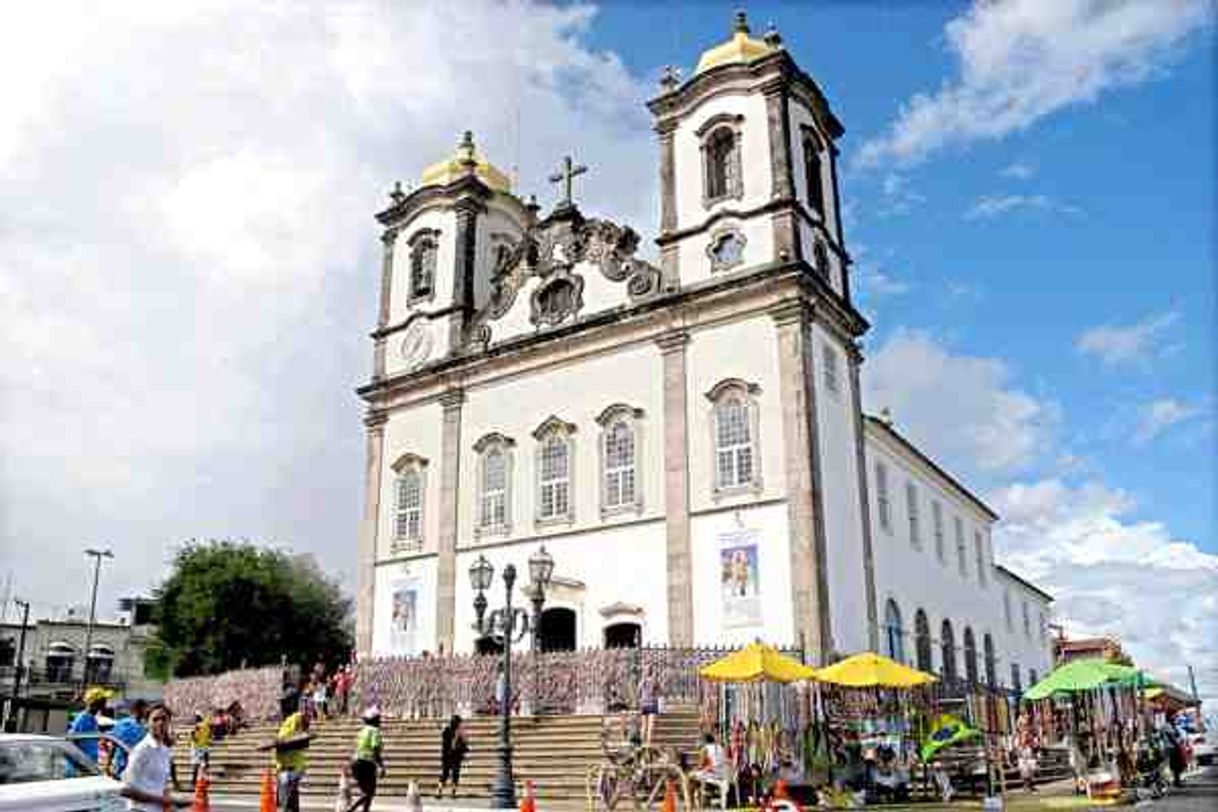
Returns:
(202, 783)
(529, 802)
(266, 799)
(670, 796)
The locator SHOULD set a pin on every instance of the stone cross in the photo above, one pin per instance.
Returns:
(565, 174)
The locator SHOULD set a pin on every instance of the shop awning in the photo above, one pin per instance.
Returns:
(755, 663)
(1085, 675)
(871, 670)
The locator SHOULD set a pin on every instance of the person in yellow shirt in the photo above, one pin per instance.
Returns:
(368, 760)
(291, 758)
(200, 747)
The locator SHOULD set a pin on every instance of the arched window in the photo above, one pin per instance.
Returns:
(948, 645)
(554, 469)
(991, 663)
(970, 655)
(99, 664)
(813, 173)
(59, 661)
(1032, 677)
(894, 644)
(979, 543)
(720, 136)
(735, 430)
(922, 641)
(494, 485)
(422, 265)
(619, 459)
(409, 490)
(1016, 683)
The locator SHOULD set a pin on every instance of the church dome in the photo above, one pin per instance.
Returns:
(740, 49)
(462, 162)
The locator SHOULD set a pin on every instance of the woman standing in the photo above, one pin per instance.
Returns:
(452, 752)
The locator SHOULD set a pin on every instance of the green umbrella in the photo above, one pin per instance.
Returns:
(1084, 675)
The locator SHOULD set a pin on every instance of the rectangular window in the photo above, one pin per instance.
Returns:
(1006, 610)
(734, 447)
(936, 516)
(555, 479)
(911, 505)
(409, 525)
(1044, 627)
(979, 543)
(1027, 621)
(814, 178)
(961, 553)
(1015, 681)
(830, 364)
(881, 497)
(492, 513)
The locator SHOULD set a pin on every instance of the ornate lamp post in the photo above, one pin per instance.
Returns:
(541, 568)
(511, 624)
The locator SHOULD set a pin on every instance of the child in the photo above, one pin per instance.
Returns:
(200, 747)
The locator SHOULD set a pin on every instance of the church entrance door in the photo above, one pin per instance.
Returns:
(488, 645)
(623, 635)
(557, 631)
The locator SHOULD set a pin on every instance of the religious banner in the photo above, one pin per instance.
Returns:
(404, 615)
(740, 584)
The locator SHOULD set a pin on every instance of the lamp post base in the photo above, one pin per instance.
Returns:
(503, 789)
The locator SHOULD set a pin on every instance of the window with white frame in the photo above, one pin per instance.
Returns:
(961, 552)
(734, 418)
(408, 500)
(911, 506)
(936, 518)
(424, 249)
(620, 488)
(1006, 610)
(494, 484)
(1044, 627)
(884, 507)
(554, 470)
(1027, 621)
(979, 543)
(829, 361)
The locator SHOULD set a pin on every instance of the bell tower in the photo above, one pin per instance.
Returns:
(748, 166)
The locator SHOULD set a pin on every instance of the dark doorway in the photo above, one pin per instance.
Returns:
(488, 645)
(623, 635)
(557, 630)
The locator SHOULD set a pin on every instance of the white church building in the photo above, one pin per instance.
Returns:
(684, 438)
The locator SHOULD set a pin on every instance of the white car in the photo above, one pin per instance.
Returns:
(46, 774)
(1204, 747)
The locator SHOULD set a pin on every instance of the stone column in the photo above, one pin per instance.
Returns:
(782, 180)
(365, 567)
(382, 320)
(450, 479)
(669, 252)
(855, 360)
(801, 463)
(676, 490)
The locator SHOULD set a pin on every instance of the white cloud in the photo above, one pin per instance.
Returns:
(995, 205)
(1022, 60)
(899, 196)
(1132, 344)
(188, 263)
(1158, 416)
(1111, 575)
(962, 410)
(1019, 170)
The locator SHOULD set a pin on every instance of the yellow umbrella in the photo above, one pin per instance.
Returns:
(870, 670)
(757, 661)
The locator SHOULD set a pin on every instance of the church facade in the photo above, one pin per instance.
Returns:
(684, 437)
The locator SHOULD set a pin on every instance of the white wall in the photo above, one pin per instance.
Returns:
(842, 508)
(414, 430)
(758, 233)
(433, 218)
(754, 157)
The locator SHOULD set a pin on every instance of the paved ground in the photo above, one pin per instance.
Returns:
(1199, 794)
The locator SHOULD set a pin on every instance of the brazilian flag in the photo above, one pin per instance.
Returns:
(945, 731)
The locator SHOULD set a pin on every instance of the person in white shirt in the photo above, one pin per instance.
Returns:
(146, 779)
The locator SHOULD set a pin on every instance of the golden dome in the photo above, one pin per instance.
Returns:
(464, 161)
(741, 48)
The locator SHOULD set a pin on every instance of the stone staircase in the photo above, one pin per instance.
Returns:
(551, 751)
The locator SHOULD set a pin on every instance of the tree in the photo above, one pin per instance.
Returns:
(227, 604)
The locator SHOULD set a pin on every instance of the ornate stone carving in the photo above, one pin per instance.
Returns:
(556, 299)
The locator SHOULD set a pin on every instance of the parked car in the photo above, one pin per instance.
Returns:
(1204, 748)
(46, 774)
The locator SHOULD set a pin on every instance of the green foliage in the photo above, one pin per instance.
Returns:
(228, 604)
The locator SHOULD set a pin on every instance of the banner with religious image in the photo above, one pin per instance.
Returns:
(404, 615)
(739, 581)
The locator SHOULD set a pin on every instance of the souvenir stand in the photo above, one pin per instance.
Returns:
(1095, 708)
(865, 737)
(763, 705)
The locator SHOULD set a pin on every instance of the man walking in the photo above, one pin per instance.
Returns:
(291, 759)
(130, 730)
(84, 729)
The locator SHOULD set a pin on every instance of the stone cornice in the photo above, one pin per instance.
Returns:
(759, 74)
(673, 341)
(466, 191)
(452, 399)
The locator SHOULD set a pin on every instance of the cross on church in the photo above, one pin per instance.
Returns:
(565, 175)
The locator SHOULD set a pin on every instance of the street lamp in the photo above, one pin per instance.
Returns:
(97, 556)
(541, 567)
(511, 623)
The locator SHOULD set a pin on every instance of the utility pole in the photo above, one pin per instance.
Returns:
(20, 667)
(97, 556)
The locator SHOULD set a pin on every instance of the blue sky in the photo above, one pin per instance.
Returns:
(188, 264)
